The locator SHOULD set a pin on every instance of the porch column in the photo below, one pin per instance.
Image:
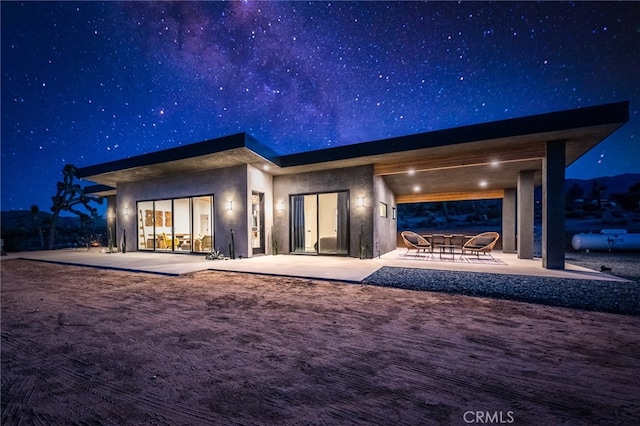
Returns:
(509, 221)
(525, 214)
(553, 206)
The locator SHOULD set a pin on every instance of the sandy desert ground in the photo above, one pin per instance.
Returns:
(89, 346)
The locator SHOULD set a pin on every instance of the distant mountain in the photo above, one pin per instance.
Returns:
(12, 219)
(614, 184)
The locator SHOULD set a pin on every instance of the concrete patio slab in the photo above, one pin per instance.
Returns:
(156, 263)
(319, 267)
(507, 263)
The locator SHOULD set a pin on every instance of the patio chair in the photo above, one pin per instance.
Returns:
(481, 243)
(415, 242)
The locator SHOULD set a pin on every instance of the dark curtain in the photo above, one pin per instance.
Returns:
(342, 243)
(297, 223)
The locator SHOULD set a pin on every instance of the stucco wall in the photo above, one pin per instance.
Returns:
(357, 180)
(386, 228)
(228, 184)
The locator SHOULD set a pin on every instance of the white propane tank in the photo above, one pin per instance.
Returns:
(607, 239)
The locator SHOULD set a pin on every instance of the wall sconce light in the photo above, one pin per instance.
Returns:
(360, 201)
(111, 214)
(279, 206)
(229, 205)
(126, 211)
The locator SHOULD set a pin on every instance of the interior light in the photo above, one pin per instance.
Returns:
(360, 201)
(416, 188)
(411, 172)
(494, 163)
(229, 205)
(483, 183)
(126, 211)
(280, 206)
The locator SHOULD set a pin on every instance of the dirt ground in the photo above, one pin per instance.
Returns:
(89, 346)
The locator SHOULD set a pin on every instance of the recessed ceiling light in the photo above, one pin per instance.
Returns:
(416, 188)
(411, 172)
(483, 183)
(266, 167)
(494, 163)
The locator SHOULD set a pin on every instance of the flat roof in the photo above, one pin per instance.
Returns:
(441, 163)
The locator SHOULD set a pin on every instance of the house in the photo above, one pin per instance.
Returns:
(235, 194)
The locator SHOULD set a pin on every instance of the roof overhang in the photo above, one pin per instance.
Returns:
(482, 169)
(212, 154)
(469, 162)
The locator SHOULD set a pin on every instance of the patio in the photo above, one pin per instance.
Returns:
(336, 268)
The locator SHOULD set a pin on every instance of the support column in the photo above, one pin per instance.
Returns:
(509, 221)
(553, 206)
(525, 214)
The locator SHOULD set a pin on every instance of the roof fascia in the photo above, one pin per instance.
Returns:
(549, 122)
(211, 146)
(614, 113)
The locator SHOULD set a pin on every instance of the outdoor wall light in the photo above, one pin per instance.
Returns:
(360, 201)
(126, 211)
(280, 206)
(229, 205)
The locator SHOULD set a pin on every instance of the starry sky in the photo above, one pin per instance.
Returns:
(90, 82)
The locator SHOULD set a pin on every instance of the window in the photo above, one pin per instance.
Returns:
(146, 226)
(257, 222)
(177, 225)
(203, 224)
(182, 224)
(320, 223)
(383, 209)
(164, 225)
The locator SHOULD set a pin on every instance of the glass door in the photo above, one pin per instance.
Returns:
(202, 224)
(257, 222)
(146, 226)
(178, 225)
(320, 223)
(304, 223)
(164, 225)
(181, 225)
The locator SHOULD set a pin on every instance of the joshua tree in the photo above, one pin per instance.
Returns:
(69, 196)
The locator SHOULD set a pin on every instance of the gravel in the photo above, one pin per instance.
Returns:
(591, 295)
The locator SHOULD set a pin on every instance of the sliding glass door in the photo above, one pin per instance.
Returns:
(320, 223)
(181, 225)
(203, 224)
(178, 225)
(146, 226)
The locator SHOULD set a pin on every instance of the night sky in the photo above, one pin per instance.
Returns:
(89, 82)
